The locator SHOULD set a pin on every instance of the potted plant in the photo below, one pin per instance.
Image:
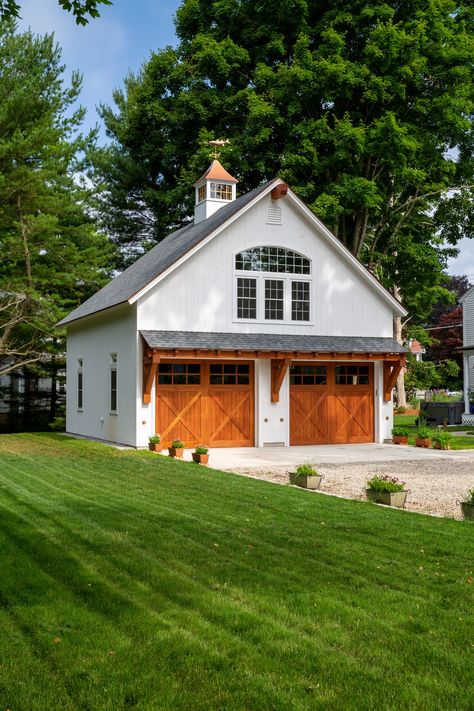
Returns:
(400, 435)
(467, 506)
(387, 490)
(201, 454)
(154, 443)
(423, 437)
(442, 440)
(176, 448)
(306, 476)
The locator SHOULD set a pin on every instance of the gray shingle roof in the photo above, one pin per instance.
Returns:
(270, 342)
(158, 259)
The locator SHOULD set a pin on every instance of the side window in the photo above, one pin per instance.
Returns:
(113, 382)
(246, 298)
(80, 384)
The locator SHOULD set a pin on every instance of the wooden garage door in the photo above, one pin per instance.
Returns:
(331, 403)
(205, 402)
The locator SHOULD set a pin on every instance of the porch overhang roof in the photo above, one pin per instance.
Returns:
(270, 343)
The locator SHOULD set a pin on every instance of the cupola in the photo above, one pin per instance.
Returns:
(214, 189)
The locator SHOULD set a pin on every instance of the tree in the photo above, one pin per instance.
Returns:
(359, 106)
(10, 9)
(52, 255)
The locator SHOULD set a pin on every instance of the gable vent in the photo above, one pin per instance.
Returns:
(273, 214)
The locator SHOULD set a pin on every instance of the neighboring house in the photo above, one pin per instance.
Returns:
(467, 301)
(417, 350)
(253, 325)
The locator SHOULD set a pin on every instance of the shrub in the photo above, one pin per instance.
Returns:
(386, 484)
(415, 403)
(58, 424)
(424, 433)
(303, 470)
(400, 432)
(442, 438)
(469, 497)
(201, 449)
(177, 444)
(154, 439)
(400, 410)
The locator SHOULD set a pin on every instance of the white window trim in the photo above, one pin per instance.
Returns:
(278, 276)
(113, 365)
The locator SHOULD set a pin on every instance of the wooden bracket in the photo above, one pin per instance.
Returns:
(391, 371)
(150, 365)
(278, 372)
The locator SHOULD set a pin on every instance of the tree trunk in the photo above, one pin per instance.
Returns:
(397, 334)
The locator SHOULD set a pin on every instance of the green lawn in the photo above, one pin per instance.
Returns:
(129, 581)
(458, 442)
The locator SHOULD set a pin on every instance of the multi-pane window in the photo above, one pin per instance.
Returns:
(300, 301)
(272, 259)
(179, 374)
(308, 375)
(274, 301)
(202, 193)
(229, 374)
(80, 384)
(352, 375)
(246, 298)
(113, 382)
(220, 191)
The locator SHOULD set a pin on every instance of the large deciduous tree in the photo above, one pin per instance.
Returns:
(52, 255)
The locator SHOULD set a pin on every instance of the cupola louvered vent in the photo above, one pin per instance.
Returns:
(273, 214)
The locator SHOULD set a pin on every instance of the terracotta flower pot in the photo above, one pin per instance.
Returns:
(438, 445)
(175, 452)
(395, 498)
(200, 458)
(155, 446)
(399, 439)
(425, 443)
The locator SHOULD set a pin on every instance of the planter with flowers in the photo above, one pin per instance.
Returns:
(201, 454)
(442, 440)
(387, 490)
(400, 435)
(467, 506)
(154, 443)
(176, 448)
(423, 437)
(306, 476)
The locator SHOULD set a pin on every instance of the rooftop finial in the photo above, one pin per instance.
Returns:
(218, 143)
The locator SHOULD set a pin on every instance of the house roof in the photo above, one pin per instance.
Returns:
(216, 171)
(190, 340)
(158, 259)
(132, 283)
(416, 347)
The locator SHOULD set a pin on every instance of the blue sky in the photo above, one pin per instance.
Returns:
(120, 41)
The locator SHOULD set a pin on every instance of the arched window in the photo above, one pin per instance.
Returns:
(283, 296)
(272, 259)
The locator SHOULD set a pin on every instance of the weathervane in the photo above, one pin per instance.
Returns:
(218, 143)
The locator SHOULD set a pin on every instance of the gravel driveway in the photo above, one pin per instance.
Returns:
(435, 485)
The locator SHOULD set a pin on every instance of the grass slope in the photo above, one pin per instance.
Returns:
(129, 581)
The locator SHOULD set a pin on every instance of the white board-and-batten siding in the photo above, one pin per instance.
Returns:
(199, 295)
(94, 340)
(468, 331)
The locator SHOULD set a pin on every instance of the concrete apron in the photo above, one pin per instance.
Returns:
(265, 458)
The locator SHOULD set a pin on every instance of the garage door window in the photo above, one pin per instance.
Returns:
(352, 375)
(308, 375)
(229, 374)
(179, 374)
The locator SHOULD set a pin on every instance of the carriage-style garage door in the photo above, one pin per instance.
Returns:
(205, 402)
(331, 403)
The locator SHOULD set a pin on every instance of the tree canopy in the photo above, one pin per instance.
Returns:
(81, 9)
(52, 255)
(365, 108)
